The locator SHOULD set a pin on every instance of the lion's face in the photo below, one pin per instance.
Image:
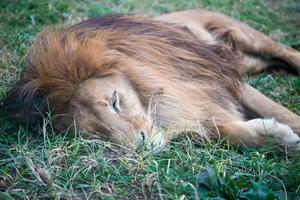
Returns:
(110, 107)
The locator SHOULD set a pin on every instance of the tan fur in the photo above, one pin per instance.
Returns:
(167, 79)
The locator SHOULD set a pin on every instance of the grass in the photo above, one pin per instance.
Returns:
(46, 165)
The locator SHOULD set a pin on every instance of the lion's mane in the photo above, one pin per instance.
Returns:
(153, 55)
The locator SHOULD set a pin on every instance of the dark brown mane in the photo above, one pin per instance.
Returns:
(61, 59)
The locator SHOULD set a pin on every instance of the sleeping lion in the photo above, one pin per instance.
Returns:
(139, 81)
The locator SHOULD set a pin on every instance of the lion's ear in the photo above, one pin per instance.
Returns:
(23, 105)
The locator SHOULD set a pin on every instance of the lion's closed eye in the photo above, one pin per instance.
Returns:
(115, 102)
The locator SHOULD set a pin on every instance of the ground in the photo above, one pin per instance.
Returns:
(46, 165)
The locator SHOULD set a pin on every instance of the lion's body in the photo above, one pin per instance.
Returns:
(189, 78)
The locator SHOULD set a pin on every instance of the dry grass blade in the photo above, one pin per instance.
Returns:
(40, 173)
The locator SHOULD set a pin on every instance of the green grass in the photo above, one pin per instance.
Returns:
(46, 165)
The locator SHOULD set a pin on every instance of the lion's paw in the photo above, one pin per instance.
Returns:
(282, 134)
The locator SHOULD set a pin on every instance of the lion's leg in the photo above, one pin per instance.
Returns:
(211, 27)
(258, 103)
(258, 132)
(262, 48)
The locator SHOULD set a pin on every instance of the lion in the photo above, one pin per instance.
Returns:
(134, 80)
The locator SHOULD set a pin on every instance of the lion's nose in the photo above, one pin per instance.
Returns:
(142, 139)
(143, 135)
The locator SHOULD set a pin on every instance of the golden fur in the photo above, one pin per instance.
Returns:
(194, 85)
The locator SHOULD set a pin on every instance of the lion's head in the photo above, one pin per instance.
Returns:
(124, 78)
(112, 108)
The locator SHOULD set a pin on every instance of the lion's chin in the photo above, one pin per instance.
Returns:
(156, 141)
